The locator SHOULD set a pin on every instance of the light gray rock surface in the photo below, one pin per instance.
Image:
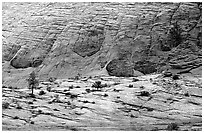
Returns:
(64, 39)
(102, 40)
(115, 107)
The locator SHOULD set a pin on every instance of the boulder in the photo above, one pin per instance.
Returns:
(120, 68)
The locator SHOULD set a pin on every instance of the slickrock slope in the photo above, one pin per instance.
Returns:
(79, 43)
(118, 39)
(149, 103)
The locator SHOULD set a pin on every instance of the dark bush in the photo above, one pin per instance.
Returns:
(68, 94)
(10, 87)
(71, 87)
(16, 117)
(172, 126)
(144, 93)
(18, 106)
(130, 86)
(3, 86)
(52, 79)
(5, 105)
(135, 80)
(105, 95)
(88, 90)
(65, 90)
(77, 77)
(40, 111)
(186, 94)
(30, 102)
(97, 84)
(42, 92)
(142, 87)
(49, 88)
(116, 83)
(175, 77)
(77, 87)
(73, 96)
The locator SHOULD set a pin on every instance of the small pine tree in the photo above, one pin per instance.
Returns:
(32, 82)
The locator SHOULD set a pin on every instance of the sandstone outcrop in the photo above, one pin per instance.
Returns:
(63, 39)
(89, 58)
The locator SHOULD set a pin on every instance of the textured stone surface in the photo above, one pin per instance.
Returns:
(120, 68)
(68, 105)
(64, 39)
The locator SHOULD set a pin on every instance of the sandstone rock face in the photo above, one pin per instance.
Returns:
(63, 39)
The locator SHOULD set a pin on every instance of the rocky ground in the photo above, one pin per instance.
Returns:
(149, 102)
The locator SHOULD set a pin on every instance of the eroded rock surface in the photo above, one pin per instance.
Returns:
(64, 39)
(149, 103)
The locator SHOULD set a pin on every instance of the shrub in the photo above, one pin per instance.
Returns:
(105, 95)
(5, 105)
(3, 86)
(88, 90)
(10, 87)
(32, 82)
(71, 87)
(41, 92)
(97, 84)
(77, 77)
(172, 126)
(18, 106)
(30, 102)
(175, 77)
(142, 87)
(144, 93)
(65, 90)
(186, 94)
(15, 117)
(73, 96)
(130, 86)
(116, 83)
(48, 88)
(135, 80)
(52, 79)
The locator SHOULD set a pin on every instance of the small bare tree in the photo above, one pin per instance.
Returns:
(32, 82)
